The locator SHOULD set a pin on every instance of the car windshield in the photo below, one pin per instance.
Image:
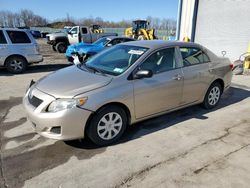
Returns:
(102, 41)
(116, 60)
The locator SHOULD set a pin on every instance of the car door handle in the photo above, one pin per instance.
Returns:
(2, 47)
(177, 77)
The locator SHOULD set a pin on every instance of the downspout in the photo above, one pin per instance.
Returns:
(179, 20)
(196, 5)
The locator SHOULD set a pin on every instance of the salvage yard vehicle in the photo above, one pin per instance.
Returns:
(122, 85)
(140, 31)
(85, 50)
(61, 40)
(36, 34)
(18, 49)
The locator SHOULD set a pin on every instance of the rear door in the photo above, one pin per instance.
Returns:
(20, 43)
(85, 35)
(196, 74)
(163, 91)
(3, 48)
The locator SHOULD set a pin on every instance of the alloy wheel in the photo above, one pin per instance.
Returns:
(16, 65)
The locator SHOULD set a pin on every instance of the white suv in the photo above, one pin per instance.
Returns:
(18, 49)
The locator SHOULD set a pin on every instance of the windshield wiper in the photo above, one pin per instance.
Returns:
(95, 69)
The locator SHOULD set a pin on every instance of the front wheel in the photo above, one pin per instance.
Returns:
(108, 125)
(61, 47)
(212, 96)
(141, 37)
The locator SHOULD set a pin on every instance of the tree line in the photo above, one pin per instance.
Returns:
(26, 18)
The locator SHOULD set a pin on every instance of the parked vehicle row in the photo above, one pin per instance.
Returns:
(122, 85)
(18, 49)
(86, 50)
(59, 41)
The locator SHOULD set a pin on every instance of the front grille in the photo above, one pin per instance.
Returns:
(34, 101)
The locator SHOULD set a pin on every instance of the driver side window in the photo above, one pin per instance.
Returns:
(74, 30)
(160, 61)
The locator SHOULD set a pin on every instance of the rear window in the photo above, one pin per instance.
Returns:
(18, 37)
(2, 38)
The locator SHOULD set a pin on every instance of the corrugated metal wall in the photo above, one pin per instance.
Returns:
(224, 25)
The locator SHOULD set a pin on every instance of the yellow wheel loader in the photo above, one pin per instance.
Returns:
(97, 29)
(140, 31)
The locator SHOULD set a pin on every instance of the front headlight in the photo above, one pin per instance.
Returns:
(62, 104)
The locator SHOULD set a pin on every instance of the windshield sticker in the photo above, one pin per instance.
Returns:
(137, 52)
(118, 70)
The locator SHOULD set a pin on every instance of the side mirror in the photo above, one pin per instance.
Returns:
(109, 45)
(143, 74)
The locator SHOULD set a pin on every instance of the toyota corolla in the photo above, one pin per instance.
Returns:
(125, 84)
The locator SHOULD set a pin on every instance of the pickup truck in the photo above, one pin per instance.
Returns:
(61, 40)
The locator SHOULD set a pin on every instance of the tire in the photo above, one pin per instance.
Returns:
(53, 48)
(102, 133)
(213, 96)
(141, 37)
(16, 64)
(61, 47)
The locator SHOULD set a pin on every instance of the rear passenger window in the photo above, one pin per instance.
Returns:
(2, 38)
(193, 56)
(84, 30)
(18, 37)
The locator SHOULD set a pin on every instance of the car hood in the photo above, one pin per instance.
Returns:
(84, 48)
(59, 34)
(71, 81)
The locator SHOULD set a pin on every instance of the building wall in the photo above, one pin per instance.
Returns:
(186, 18)
(224, 25)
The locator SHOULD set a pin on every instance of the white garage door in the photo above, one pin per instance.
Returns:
(224, 25)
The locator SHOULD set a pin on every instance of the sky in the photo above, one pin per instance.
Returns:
(110, 10)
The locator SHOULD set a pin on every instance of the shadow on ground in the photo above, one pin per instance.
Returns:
(231, 96)
(39, 68)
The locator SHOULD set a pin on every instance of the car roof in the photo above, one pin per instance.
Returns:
(155, 44)
(12, 29)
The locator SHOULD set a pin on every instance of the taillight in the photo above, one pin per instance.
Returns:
(231, 66)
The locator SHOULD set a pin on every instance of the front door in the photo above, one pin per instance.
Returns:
(74, 35)
(163, 91)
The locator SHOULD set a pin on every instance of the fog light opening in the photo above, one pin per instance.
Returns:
(56, 130)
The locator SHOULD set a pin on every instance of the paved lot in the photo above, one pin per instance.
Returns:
(192, 147)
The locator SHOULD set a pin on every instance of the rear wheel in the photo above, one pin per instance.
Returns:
(108, 125)
(213, 95)
(16, 64)
(61, 47)
(141, 37)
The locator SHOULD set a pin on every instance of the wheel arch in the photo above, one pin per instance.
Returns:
(62, 39)
(14, 55)
(119, 104)
(220, 81)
